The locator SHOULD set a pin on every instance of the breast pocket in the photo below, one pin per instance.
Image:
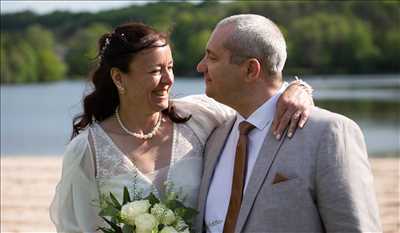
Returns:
(288, 184)
(286, 190)
(290, 194)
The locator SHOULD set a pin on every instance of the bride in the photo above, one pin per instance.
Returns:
(131, 134)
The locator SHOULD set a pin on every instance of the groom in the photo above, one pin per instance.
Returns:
(318, 181)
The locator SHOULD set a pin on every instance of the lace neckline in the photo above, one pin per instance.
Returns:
(130, 163)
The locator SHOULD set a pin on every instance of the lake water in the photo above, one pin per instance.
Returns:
(36, 119)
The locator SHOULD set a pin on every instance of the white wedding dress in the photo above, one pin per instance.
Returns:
(75, 205)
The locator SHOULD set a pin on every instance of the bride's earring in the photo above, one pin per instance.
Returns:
(121, 90)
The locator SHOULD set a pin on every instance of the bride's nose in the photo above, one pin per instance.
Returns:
(167, 77)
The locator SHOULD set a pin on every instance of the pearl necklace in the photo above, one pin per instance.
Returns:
(139, 135)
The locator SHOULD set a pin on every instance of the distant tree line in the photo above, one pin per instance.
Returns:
(323, 37)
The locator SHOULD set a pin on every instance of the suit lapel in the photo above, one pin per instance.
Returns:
(212, 152)
(260, 171)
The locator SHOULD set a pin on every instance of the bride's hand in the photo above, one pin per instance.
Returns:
(293, 107)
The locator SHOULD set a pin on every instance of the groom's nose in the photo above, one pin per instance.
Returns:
(201, 67)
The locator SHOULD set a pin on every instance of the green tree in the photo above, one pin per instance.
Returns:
(322, 36)
(189, 39)
(326, 43)
(50, 66)
(30, 57)
(4, 64)
(197, 44)
(21, 63)
(18, 61)
(391, 51)
(83, 49)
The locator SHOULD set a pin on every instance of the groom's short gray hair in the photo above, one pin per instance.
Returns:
(255, 36)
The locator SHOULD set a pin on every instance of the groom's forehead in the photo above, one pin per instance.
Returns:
(218, 37)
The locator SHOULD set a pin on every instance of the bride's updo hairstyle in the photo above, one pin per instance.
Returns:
(117, 49)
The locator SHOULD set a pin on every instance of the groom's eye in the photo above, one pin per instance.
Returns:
(211, 58)
(155, 71)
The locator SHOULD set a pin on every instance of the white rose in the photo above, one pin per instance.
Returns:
(145, 223)
(180, 223)
(185, 231)
(169, 217)
(168, 230)
(163, 214)
(158, 211)
(131, 210)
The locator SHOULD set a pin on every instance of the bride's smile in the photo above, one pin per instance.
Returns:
(148, 80)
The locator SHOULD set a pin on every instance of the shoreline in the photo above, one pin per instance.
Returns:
(28, 185)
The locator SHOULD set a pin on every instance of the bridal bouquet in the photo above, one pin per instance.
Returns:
(145, 215)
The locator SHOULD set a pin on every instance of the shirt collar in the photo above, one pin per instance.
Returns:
(265, 113)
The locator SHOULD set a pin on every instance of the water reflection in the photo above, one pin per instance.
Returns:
(379, 121)
(36, 119)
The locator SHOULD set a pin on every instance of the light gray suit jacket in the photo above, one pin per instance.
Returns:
(329, 186)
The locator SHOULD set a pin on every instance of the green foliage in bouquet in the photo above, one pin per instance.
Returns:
(145, 215)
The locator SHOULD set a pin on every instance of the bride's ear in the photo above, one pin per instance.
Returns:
(117, 78)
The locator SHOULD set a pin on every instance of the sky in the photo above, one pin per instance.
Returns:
(44, 7)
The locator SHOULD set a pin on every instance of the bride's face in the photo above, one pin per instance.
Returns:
(149, 80)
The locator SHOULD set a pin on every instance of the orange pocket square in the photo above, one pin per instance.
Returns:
(279, 177)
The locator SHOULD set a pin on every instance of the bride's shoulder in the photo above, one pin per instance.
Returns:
(77, 147)
(206, 114)
(80, 139)
(201, 106)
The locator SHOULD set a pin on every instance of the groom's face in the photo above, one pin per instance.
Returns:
(222, 78)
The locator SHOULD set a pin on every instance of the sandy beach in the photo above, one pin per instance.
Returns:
(27, 187)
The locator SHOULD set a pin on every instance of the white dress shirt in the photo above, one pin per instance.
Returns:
(220, 187)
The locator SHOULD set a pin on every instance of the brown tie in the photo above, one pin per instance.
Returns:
(239, 178)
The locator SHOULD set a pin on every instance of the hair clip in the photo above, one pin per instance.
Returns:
(108, 41)
(106, 44)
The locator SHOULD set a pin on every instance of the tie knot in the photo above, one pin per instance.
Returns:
(245, 127)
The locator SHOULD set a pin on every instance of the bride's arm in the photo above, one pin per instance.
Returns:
(206, 114)
(293, 109)
(73, 209)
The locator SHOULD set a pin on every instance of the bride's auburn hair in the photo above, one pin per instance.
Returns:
(117, 49)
